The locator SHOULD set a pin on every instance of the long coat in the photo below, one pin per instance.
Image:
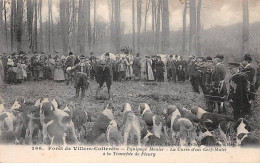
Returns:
(149, 71)
(104, 75)
(129, 67)
(136, 67)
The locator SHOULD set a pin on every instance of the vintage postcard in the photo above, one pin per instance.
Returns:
(129, 81)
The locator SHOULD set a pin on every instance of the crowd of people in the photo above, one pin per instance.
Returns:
(207, 74)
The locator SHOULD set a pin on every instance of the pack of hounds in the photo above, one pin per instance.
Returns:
(53, 124)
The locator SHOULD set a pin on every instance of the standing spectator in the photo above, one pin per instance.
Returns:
(129, 67)
(82, 75)
(51, 63)
(19, 72)
(104, 75)
(148, 69)
(249, 70)
(257, 82)
(115, 69)
(181, 69)
(154, 63)
(24, 69)
(4, 63)
(137, 68)
(1, 73)
(238, 92)
(171, 69)
(69, 63)
(218, 88)
(159, 69)
(122, 69)
(58, 72)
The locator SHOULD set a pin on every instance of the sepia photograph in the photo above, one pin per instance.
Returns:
(129, 81)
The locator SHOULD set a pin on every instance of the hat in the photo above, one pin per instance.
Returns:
(208, 58)
(171, 56)
(234, 64)
(82, 57)
(219, 57)
(247, 57)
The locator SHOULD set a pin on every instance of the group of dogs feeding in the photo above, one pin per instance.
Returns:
(178, 126)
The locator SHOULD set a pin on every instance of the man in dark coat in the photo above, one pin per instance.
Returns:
(82, 75)
(218, 87)
(171, 69)
(69, 63)
(257, 82)
(238, 92)
(249, 70)
(104, 75)
(137, 68)
(159, 69)
(182, 65)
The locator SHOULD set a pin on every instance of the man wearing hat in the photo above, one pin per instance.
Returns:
(104, 75)
(249, 70)
(69, 63)
(171, 69)
(218, 87)
(238, 92)
(82, 75)
(159, 69)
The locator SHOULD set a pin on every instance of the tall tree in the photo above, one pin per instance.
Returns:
(89, 34)
(19, 20)
(184, 28)
(198, 28)
(245, 38)
(153, 23)
(94, 26)
(5, 18)
(64, 22)
(139, 21)
(158, 26)
(133, 26)
(29, 8)
(165, 26)
(1, 26)
(147, 6)
(41, 33)
(49, 25)
(12, 26)
(82, 26)
(35, 43)
(117, 26)
(192, 37)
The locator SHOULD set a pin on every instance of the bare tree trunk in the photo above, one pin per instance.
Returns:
(40, 16)
(49, 25)
(94, 26)
(198, 28)
(35, 43)
(139, 21)
(64, 22)
(192, 39)
(88, 24)
(82, 26)
(74, 25)
(133, 26)
(52, 28)
(1, 27)
(19, 31)
(245, 40)
(30, 24)
(165, 26)
(117, 26)
(184, 29)
(12, 28)
(153, 23)
(111, 11)
(158, 26)
(6, 34)
(147, 5)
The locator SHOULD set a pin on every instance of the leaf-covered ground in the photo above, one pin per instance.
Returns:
(157, 95)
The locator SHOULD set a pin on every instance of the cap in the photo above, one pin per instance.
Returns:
(234, 64)
(82, 57)
(219, 56)
(247, 57)
(208, 58)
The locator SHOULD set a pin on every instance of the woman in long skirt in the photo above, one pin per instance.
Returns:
(58, 72)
